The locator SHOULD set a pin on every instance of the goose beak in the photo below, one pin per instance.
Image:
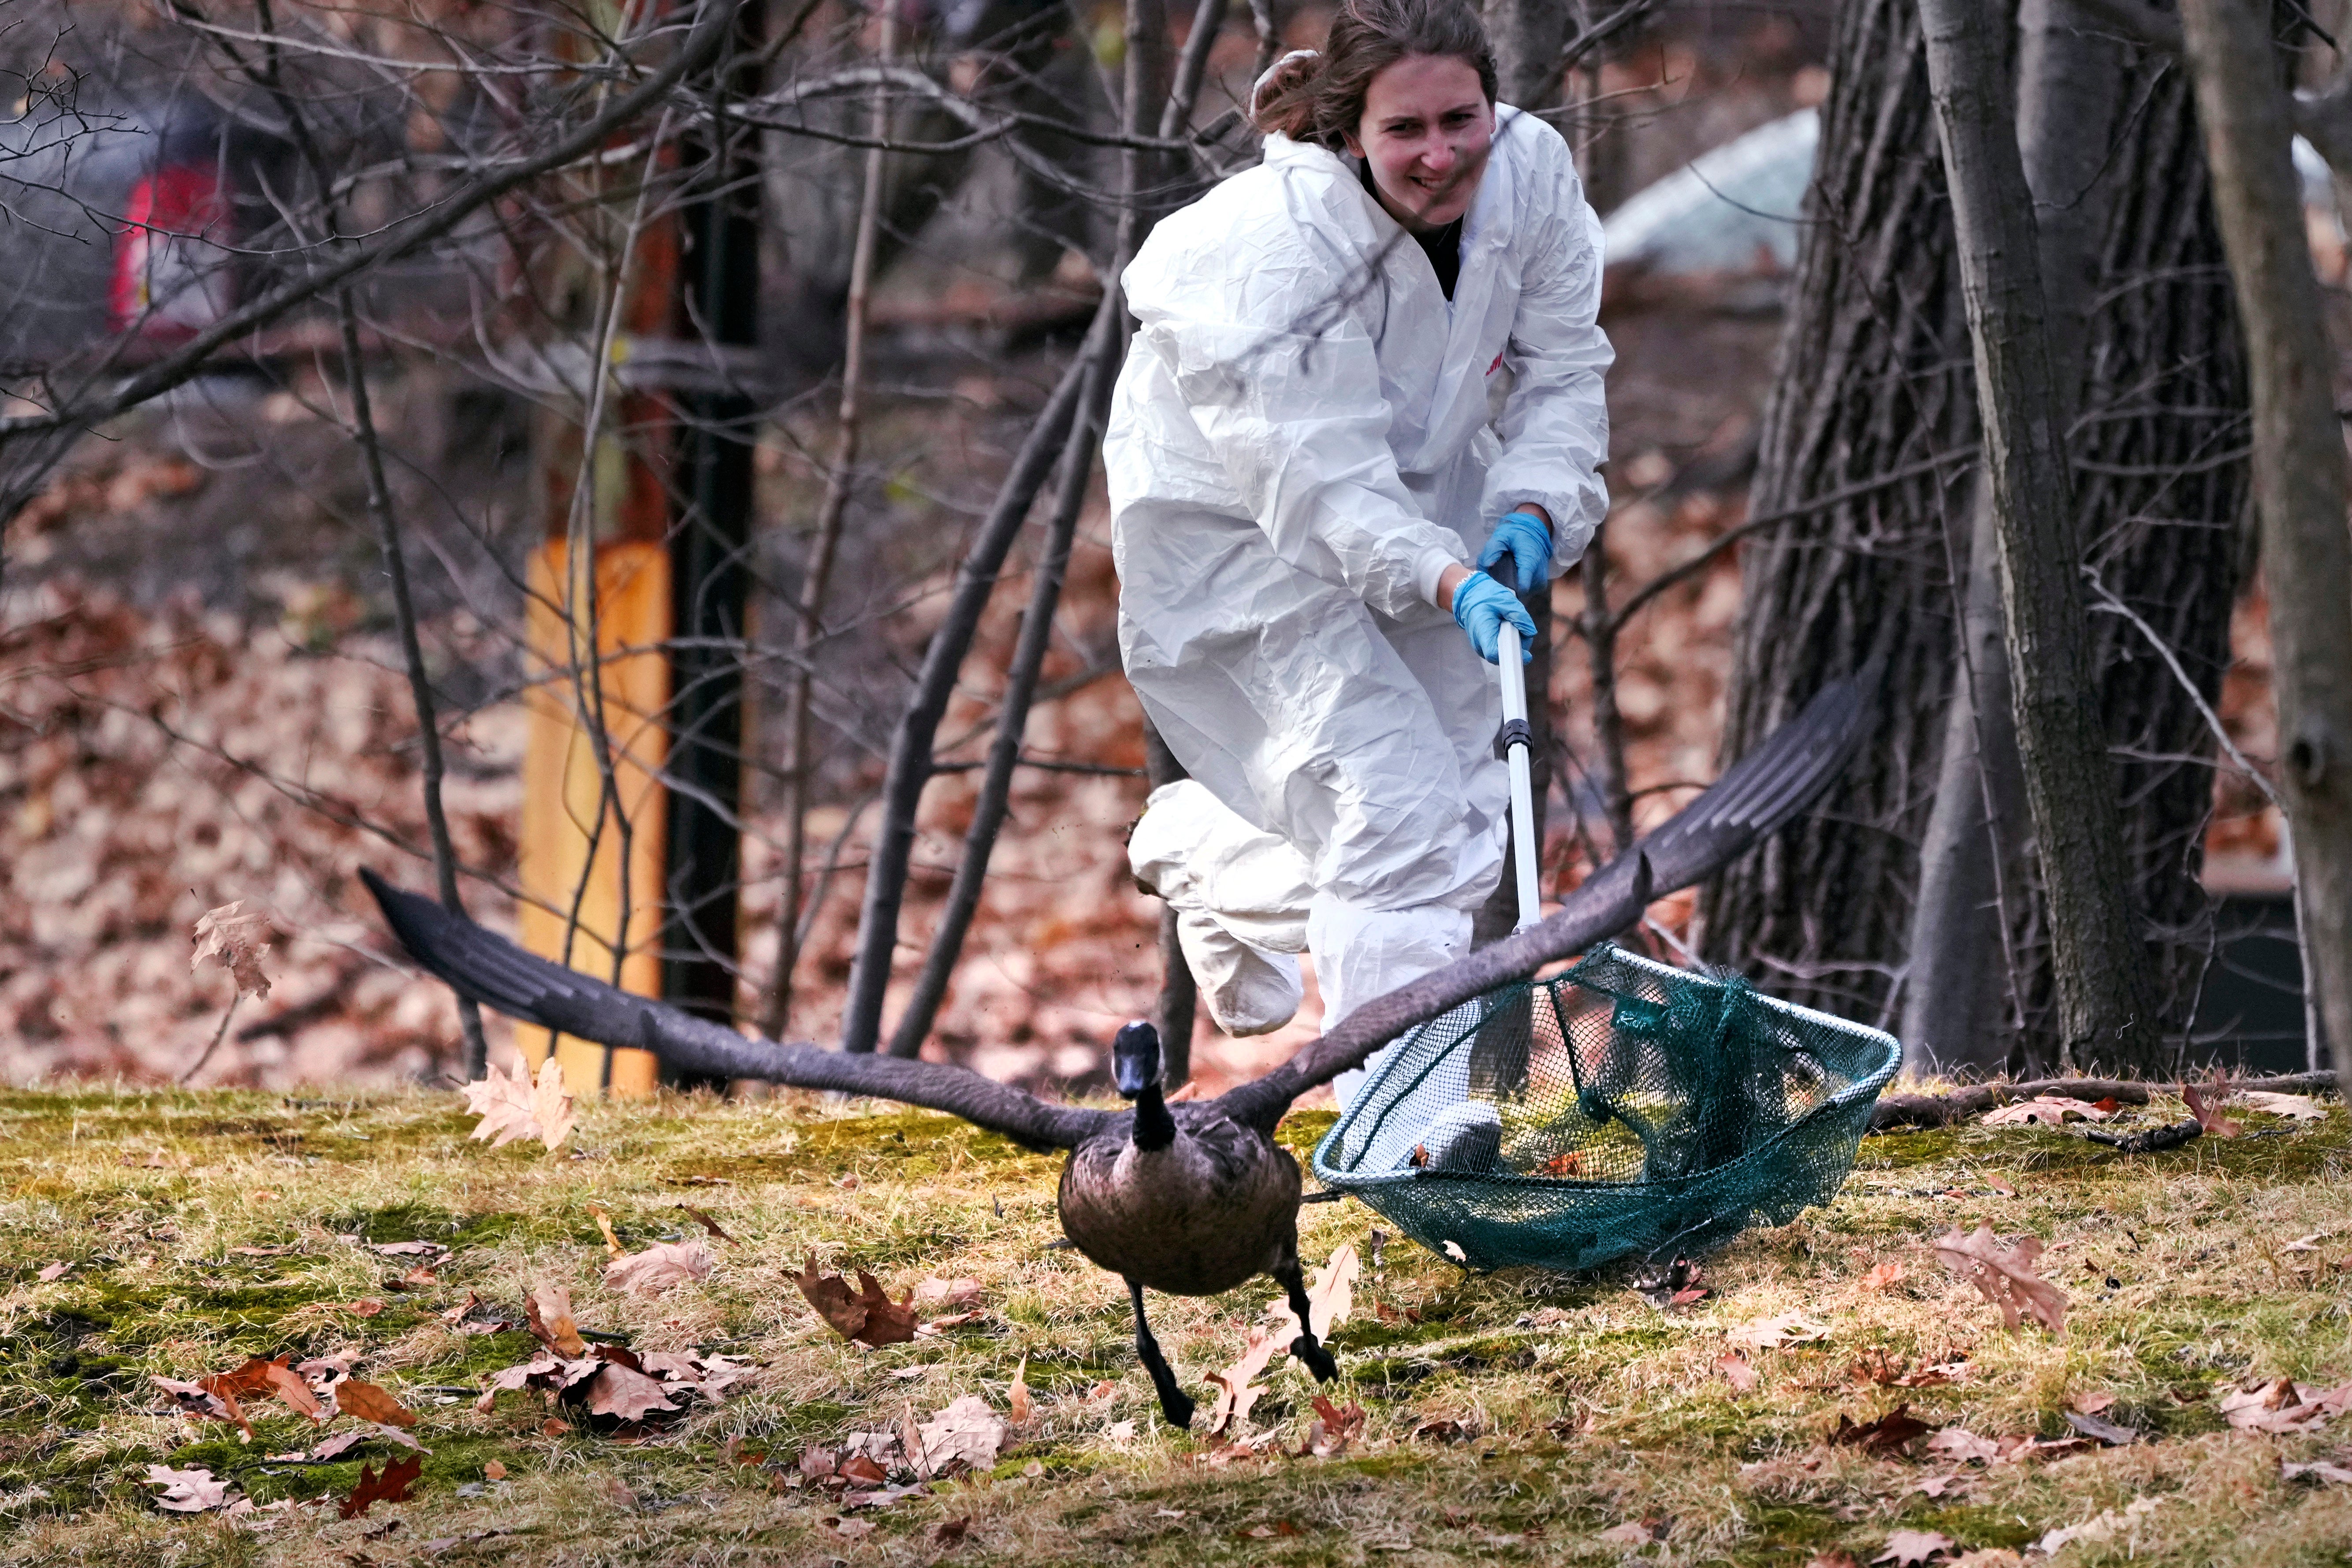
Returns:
(1135, 1058)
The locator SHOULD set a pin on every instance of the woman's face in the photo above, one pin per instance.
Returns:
(1426, 131)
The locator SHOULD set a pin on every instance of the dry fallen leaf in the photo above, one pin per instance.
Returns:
(2102, 1528)
(1736, 1371)
(1330, 1297)
(187, 1491)
(390, 1487)
(238, 942)
(1333, 1426)
(369, 1403)
(2045, 1110)
(1906, 1547)
(1330, 1294)
(2299, 1107)
(494, 1471)
(1886, 1435)
(1884, 1276)
(2006, 1276)
(868, 1317)
(515, 1107)
(2318, 1470)
(2204, 1103)
(2283, 1406)
(1771, 1333)
(51, 1271)
(658, 1268)
(966, 1431)
(936, 1293)
(1960, 1444)
(196, 1399)
(712, 1226)
(549, 1308)
(259, 1376)
(1630, 1533)
(1020, 1405)
(1235, 1390)
(617, 1391)
(612, 1247)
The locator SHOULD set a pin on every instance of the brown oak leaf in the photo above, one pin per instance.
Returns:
(966, 1432)
(369, 1403)
(2005, 1276)
(549, 1309)
(1020, 1404)
(659, 1268)
(2204, 1103)
(236, 941)
(514, 1106)
(1908, 1547)
(1236, 1391)
(1886, 1435)
(1771, 1333)
(187, 1491)
(2046, 1111)
(392, 1486)
(868, 1317)
(617, 1391)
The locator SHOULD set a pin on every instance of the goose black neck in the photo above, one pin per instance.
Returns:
(1155, 1129)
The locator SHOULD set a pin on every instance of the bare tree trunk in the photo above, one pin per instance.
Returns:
(1962, 978)
(1872, 380)
(2299, 471)
(2106, 989)
(2070, 91)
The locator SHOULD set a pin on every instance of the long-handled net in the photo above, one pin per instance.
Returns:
(1621, 1109)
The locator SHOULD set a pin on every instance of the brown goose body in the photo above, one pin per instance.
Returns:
(1211, 1211)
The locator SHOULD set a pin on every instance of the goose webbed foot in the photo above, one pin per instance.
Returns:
(1306, 1347)
(1174, 1403)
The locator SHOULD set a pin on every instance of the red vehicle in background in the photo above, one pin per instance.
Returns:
(173, 274)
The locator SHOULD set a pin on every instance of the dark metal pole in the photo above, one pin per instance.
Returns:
(717, 303)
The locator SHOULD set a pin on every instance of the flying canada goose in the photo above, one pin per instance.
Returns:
(1195, 1198)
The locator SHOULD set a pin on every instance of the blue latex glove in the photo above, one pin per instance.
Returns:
(1523, 537)
(1481, 605)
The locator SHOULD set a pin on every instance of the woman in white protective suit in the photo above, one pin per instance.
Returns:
(1313, 461)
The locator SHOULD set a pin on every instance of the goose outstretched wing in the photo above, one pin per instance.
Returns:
(1755, 795)
(494, 971)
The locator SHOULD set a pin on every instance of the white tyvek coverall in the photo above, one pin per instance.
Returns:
(1300, 444)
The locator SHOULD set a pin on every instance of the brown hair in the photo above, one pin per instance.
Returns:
(1318, 96)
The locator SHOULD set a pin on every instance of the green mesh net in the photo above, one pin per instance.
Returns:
(1621, 1109)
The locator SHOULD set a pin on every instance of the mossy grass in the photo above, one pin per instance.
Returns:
(203, 1227)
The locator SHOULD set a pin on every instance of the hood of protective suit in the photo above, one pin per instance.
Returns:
(1297, 365)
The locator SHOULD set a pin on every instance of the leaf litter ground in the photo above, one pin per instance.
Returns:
(1823, 1392)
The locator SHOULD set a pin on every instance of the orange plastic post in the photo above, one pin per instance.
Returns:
(574, 827)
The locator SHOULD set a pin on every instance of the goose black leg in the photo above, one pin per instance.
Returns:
(1174, 1403)
(1305, 1347)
